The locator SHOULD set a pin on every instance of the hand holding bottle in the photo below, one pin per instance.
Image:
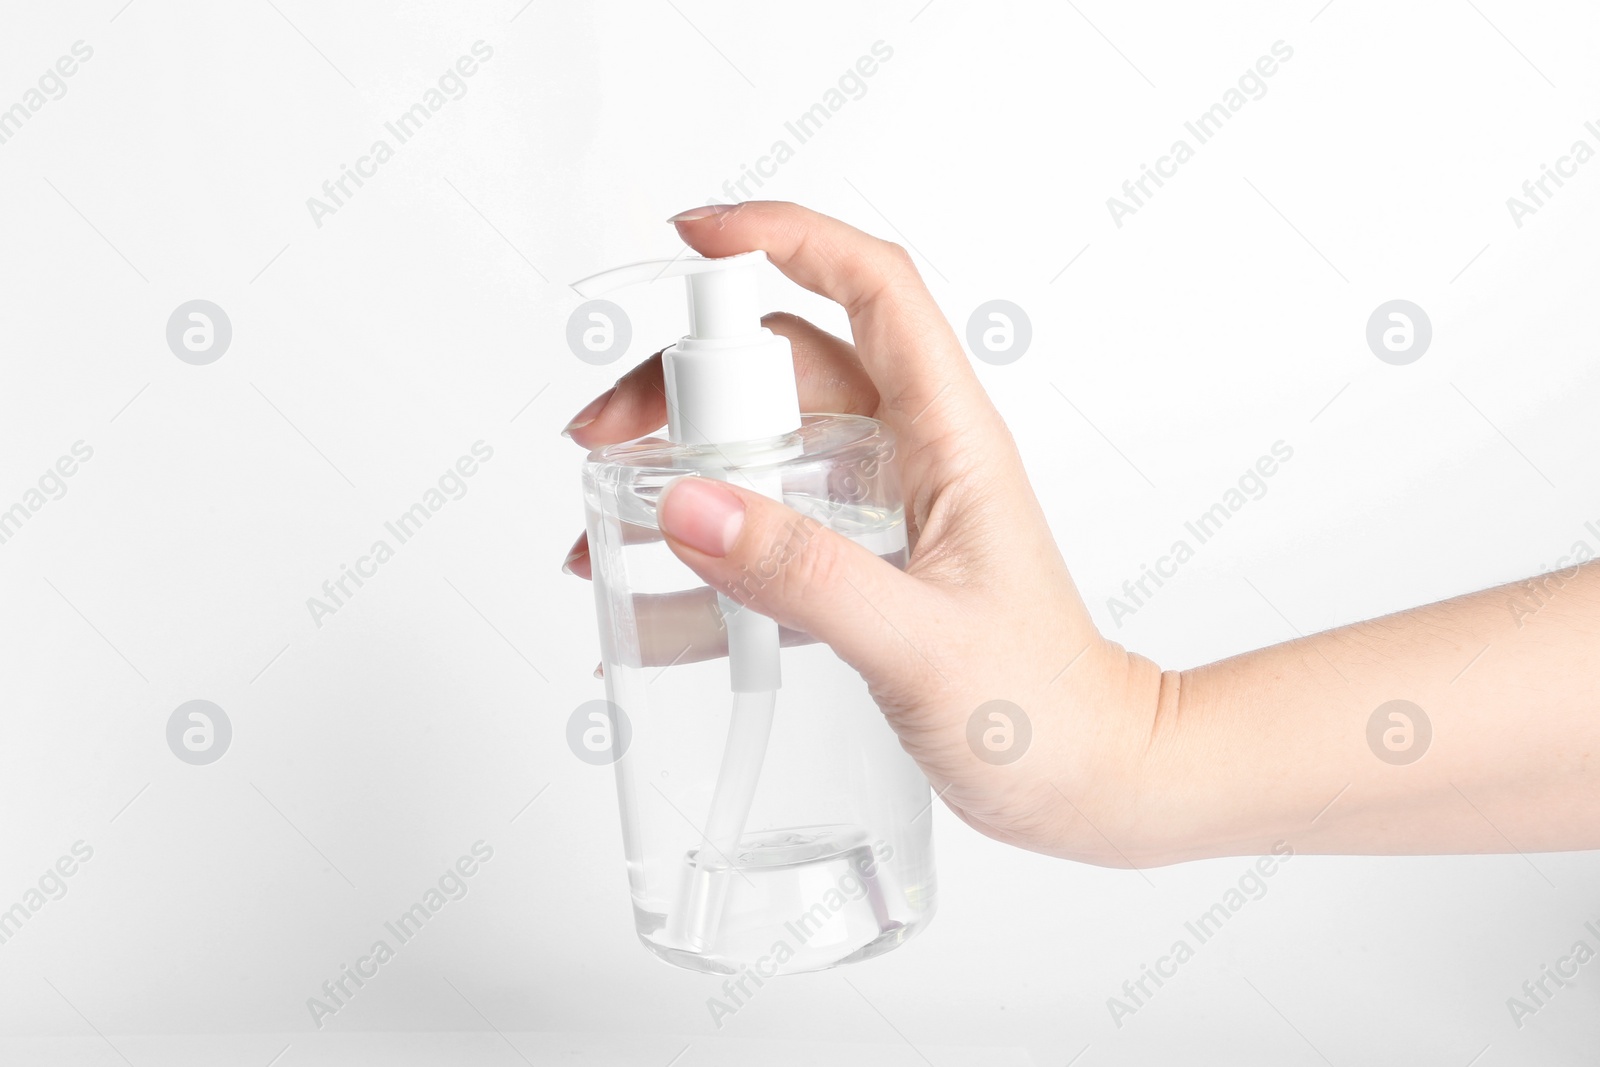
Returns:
(985, 609)
(1127, 765)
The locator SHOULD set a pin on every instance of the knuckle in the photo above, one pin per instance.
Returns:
(787, 324)
(812, 573)
(877, 271)
(896, 258)
(772, 320)
(803, 566)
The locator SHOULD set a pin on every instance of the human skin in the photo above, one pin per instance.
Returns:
(1129, 765)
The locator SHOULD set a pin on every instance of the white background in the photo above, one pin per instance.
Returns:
(429, 313)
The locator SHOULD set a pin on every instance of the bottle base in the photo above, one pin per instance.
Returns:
(787, 901)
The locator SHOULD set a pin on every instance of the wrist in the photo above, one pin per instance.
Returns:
(1118, 767)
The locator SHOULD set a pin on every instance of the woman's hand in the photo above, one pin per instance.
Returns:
(1280, 748)
(985, 610)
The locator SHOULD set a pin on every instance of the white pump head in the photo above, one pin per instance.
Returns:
(729, 379)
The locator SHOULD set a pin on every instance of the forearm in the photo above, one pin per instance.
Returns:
(1274, 745)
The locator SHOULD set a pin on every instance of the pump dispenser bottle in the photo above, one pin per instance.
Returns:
(771, 821)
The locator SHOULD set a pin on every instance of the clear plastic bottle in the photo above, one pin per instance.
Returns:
(834, 863)
(778, 831)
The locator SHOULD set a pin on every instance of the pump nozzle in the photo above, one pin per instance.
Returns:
(724, 300)
(729, 379)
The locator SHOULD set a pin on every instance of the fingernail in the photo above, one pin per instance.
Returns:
(696, 213)
(577, 557)
(590, 412)
(702, 513)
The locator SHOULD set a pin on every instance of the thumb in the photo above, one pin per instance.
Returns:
(791, 568)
